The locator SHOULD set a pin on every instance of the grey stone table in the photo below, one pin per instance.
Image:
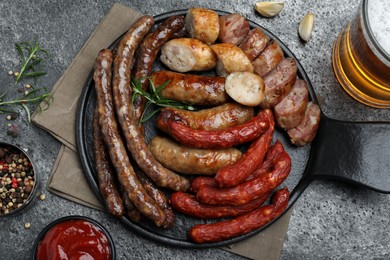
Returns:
(330, 221)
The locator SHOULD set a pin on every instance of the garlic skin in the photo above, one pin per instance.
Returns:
(269, 9)
(306, 26)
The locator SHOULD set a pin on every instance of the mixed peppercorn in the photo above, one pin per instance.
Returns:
(17, 179)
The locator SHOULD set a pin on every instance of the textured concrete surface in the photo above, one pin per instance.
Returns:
(330, 220)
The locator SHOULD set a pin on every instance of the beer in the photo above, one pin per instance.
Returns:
(361, 55)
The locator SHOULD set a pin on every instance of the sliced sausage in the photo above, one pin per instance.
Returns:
(250, 189)
(215, 118)
(230, 59)
(252, 159)
(202, 24)
(268, 59)
(147, 52)
(187, 204)
(279, 82)
(218, 231)
(254, 43)
(305, 132)
(183, 159)
(226, 138)
(290, 111)
(233, 28)
(105, 172)
(193, 89)
(187, 54)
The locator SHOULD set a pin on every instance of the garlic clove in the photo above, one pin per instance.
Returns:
(306, 26)
(269, 9)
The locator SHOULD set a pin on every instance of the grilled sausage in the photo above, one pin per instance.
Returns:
(279, 82)
(305, 132)
(226, 138)
(187, 54)
(131, 211)
(187, 204)
(216, 118)
(134, 137)
(182, 159)
(202, 24)
(230, 59)
(112, 139)
(268, 59)
(252, 159)
(193, 89)
(202, 181)
(248, 190)
(254, 43)
(147, 52)
(233, 28)
(290, 111)
(105, 173)
(214, 232)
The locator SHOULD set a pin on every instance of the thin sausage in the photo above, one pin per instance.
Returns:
(237, 172)
(202, 181)
(105, 172)
(187, 204)
(183, 159)
(214, 232)
(117, 151)
(122, 92)
(131, 211)
(248, 190)
(226, 138)
(147, 52)
(193, 89)
(254, 43)
(215, 118)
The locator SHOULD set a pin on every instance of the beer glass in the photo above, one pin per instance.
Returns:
(361, 54)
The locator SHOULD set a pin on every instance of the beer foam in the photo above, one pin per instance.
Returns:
(378, 13)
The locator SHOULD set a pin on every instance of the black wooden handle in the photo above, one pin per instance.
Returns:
(355, 152)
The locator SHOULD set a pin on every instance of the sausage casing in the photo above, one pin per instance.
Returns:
(218, 231)
(193, 89)
(183, 159)
(226, 138)
(215, 118)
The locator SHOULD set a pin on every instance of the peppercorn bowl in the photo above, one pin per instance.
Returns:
(19, 180)
(76, 237)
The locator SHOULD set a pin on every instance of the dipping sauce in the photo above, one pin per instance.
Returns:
(74, 239)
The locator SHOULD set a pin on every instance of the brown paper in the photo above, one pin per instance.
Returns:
(67, 179)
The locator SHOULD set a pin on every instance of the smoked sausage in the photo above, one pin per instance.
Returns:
(254, 43)
(233, 28)
(268, 59)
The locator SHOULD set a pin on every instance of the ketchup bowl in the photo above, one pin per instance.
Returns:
(76, 237)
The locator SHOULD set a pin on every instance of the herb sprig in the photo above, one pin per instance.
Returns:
(30, 60)
(155, 98)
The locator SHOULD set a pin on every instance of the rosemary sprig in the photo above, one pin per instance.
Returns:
(30, 60)
(155, 98)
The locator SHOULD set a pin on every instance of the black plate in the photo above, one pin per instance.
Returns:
(308, 163)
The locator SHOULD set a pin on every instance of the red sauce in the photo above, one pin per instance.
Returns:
(74, 239)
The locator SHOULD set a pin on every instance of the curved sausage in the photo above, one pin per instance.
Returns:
(226, 138)
(230, 59)
(279, 82)
(254, 43)
(215, 118)
(105, 173)
(290, 111)
(248, 190)
(214, 232)
(131, 211)
(202, 181)
(183, 159)
(268, 59)
(117, 151)
(305, 132)
(202, 24)
(233, 28)
(187, 204)
(147, 52)
(252, 159)
(122, 92)
(187, 54)
(193, 89)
